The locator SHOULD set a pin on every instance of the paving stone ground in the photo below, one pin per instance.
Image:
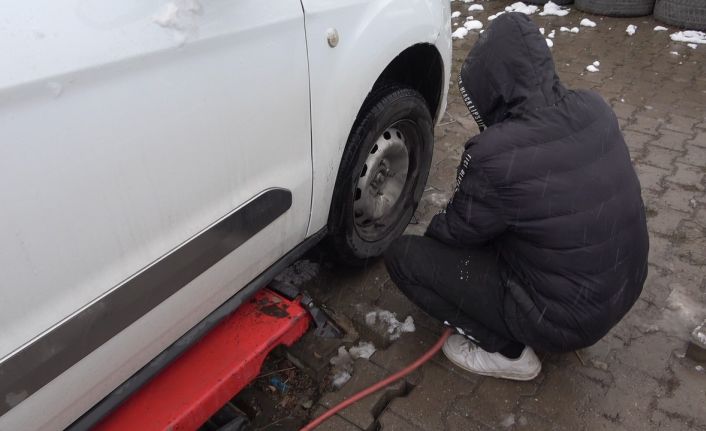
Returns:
(637, 377)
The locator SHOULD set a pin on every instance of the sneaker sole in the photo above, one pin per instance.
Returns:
(499, 374)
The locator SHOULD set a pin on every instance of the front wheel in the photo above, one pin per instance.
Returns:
(382, 174)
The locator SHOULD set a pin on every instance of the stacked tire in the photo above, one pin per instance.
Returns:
(690, 14)
(622, 8)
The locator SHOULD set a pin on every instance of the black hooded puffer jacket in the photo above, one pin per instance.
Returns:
(549, 182)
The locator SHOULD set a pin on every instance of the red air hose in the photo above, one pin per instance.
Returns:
(381, 384)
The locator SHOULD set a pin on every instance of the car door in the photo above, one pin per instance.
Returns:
(155, 158)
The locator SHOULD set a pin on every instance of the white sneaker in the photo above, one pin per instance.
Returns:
(462, 352)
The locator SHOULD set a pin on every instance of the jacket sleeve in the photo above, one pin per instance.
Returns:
(473, 215)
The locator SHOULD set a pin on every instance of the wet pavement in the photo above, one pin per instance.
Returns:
(637, 377)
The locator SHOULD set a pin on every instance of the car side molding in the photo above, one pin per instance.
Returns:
(48, 355)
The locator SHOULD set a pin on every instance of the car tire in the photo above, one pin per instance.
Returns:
(625, 8)
(689, 14)
(382, 174)
(542, 2)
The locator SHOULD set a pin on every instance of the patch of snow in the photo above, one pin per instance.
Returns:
(587, 23)
(473, 7)
(522, 8)
(597, 63)
(549, 43)
(631, 29)
(660, 28)
(689, 36)
(340, 378)
(551, 8)
(470, 25)
(299, 272)
(541, 30)
(492, 17)
(673, 52)
(388, 319)
(552, 34)
(459, 33)
(692, 45)
(592, 68)
(564, 29)
(456, 14)
(180, 17)
(699, 368)
(574, 29)
(364, 349)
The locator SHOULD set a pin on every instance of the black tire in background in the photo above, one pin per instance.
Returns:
(625, 8)
(391, 106)
(541, 2)
(689, 14)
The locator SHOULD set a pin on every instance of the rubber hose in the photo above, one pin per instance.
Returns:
(381, 384)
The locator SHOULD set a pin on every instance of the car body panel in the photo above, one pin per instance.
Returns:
(371, 34)
(101, 187)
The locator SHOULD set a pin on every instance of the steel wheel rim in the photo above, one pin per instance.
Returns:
(382, 179)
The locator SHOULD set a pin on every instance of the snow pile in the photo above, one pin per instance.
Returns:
(473, 24)
(593, 67)
(343, 362)
(550, 43)
(587, 23)
(456, 14)
(570, 30)
(541, 30)
(180, 17)
(552, 34)
(631, 29)
(473, 7)
(522, 8)
(388, 320)
(689, 36)
(660, 28)
(299, 273)
(459, 33)
(692, 45)
(551, 8)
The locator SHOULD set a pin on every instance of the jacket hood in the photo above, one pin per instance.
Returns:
(510, 70)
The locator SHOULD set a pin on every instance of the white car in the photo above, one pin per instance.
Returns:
(162, 160)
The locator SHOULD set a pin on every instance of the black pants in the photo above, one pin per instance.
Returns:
(460, 287)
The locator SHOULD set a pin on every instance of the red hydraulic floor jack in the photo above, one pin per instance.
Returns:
(192, 388)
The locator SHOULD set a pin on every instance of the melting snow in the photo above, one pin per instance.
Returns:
(689, 36)
(395, 328)
(521, 7)
(340, 378)
(364, 349)
(456, 14)
(180, 17)
(552, 34)
(459, 33)
(587, 23)
(631, 29)
(660, 28)
(692, 45)
(472, 25)
(473, 7)
(592, 68)
(541, 30)
(508, 421)
(597, 63)
(551, 8)
(570, 30)
(549, 43)
(674, 53)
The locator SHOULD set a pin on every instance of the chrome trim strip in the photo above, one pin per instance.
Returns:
(52, 353)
